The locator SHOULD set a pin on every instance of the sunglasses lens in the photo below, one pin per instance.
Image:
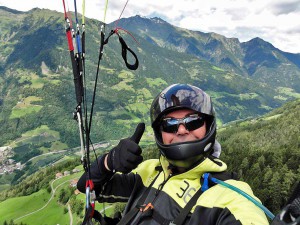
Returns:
(169, 125)
(192, 122)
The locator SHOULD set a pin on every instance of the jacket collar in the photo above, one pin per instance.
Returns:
(207, 165)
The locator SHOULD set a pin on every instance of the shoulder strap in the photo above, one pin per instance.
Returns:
(183, 214)
(205, 181)
(129, 216)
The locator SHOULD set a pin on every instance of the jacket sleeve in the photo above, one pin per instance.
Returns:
(109, 186)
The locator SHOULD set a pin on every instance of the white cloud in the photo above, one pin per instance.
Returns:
(276, 21)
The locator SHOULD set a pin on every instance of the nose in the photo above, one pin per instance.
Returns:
(182, 130)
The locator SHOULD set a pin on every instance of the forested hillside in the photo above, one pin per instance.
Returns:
(266, 153)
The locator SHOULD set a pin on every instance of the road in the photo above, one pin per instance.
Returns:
(50, 199)
(70, 214)
(77, 149)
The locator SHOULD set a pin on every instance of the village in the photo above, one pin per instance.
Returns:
(8, 165)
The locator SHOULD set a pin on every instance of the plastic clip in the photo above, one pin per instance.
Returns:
(205, 186)
(145, 207)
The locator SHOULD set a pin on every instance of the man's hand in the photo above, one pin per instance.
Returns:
(126, 156)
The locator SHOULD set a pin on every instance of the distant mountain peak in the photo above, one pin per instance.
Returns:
(157, 20)
(260, 42)
(10, 10)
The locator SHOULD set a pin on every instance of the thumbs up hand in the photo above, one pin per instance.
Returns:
(126, 156)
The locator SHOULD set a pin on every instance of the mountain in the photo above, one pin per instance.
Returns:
(37, 98)
(256, 58)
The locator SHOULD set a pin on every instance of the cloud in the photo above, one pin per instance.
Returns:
(294, 30)
(237, 13)
(285, 7)
(276, 21)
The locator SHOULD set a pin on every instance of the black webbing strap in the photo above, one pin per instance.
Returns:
(96, 215)
(125, 48)
(179, 220)
(129, 216)
(183, 214)
(87, 215)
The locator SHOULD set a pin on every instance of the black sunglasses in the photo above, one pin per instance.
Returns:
(190, 122)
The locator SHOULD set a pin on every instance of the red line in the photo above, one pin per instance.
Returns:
(121, 14)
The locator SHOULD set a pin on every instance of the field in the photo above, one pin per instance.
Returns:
(42, 206)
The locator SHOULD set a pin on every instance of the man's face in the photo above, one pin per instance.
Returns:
(183, 135)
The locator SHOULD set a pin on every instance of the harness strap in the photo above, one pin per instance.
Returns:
(130, 215)
(159, 218)
(97, 216)
(183, 214)
(179, 220)
(155, 215)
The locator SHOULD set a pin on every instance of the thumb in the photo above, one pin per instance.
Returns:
(136, 137)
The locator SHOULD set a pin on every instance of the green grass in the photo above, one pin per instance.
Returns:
(144, 93)
(217, 68)
(4, 187)
(57, 145)
(272, 117)
(138, 107)
(20, 112)
(44, 160)
(25, 107)
(246, 96)
(280, 97)
(40, 135)
(34, 81)
(41, 129)
(215, 95)
(57, 182)
(16, 207)
(53, 213)
(37, 83)
(157, 82)
(288, 91)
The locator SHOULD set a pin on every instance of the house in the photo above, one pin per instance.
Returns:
(58, 175)
(75, 170)
(66, 173)
(73, 183)
(77, 192)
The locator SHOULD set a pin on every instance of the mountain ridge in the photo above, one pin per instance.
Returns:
(231, 53)
(37, 89)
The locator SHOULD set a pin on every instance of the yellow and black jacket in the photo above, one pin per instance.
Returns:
(168, 194)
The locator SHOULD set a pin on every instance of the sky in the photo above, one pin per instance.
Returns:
(275, 21)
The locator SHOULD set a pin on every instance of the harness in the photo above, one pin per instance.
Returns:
(147, 209)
